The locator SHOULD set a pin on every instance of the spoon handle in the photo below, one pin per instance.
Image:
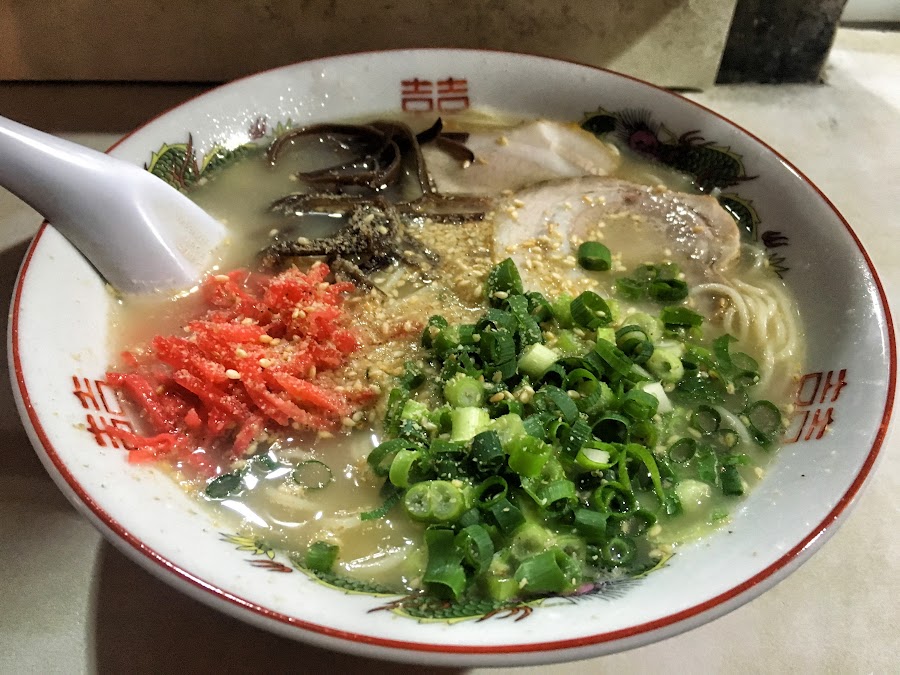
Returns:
(49, 173)
(139, 232)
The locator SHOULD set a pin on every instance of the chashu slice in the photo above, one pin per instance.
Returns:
(512, 159)
(639, 224)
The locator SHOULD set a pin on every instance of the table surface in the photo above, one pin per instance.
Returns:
(71, 603)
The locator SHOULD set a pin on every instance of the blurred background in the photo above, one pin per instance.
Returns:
(83, 66)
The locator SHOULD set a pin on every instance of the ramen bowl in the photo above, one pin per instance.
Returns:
(60, 352)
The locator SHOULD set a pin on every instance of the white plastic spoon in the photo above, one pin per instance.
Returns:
(140, 233)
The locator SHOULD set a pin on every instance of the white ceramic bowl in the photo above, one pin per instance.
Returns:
(59, 354)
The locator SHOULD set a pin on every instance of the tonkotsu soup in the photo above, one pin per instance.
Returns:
(491, 360)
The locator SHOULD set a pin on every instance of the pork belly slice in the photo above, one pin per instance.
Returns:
(510, 159)
(639, 224)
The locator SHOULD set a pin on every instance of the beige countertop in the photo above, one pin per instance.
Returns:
(71, 603)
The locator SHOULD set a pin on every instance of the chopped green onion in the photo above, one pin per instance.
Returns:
(630, 289)
(434, 501)
(528, 330)
(706, 419)
(402, 465)
(744, 362)
(470, 517)
(696, 389)
(412, 432)
(434, 326)
(463, 392)
(678, 317)
(477, 547)
(651, 325)
(497, 347)
(707, 466)
(390, 501)
(618, 551)
(613, 497)
(223, 486)
(731, 481)
(612, 428)
(592, 524)
(503, 278)
(596, 457)
(496, 320)
(528, 456)
(490, 492)
(555, 375)
(581, 380)
(667, 290)
(613, 357)
(444, 573)
(509, 428)
(530, 539)
(665, 362)
(539, 307)
(559, 401)
(594, 256)
(636, 522)
(312, 475)
(465, 423)
(643, 432)
(569, 344)
(683, 450)
(507, 515)
(634, 342)
(536, 359)
(446, 341)
(381, 457)
(562, 310)
(414, 411)
(590, 311)
(639, 405)
(547, 572)
(412, 376)
(575, 437)
(487, 451)
(559, 493)
(646, 457)
(765, 420)
(396, 402)
(321, 556)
